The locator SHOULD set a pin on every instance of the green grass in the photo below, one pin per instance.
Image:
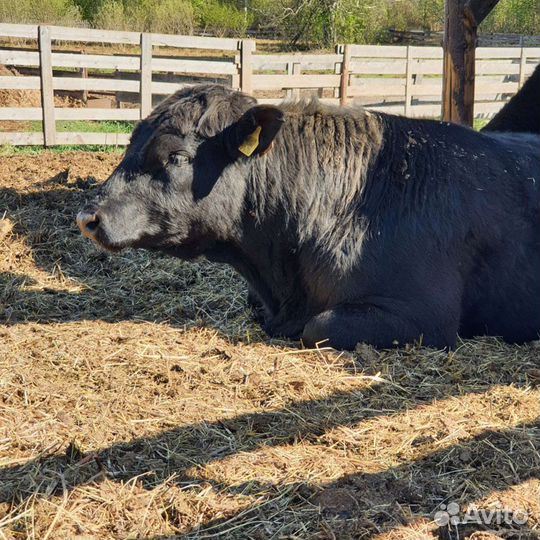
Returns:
(10, 150)
(87, 126)
(479, 123)
(80, 126)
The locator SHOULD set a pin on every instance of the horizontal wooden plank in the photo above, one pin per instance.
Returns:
(91, 35)
(390, 109)
(376, 87)
(417, 111)
(65, 113)
(307, 62)
(427, 52)
(295, 58)
(165, 88)
(21, 113)
(19, 58)
(378, 51)
(429, 88)
(277, 101)
(529, 68)
(426, 67)
(113, 139)
(483, 53)
(486, 67)
(67, 138)
(491, 107)
(389, 81)
(426, 111)
(20, 83)
(68, 113)
(307, 67)
(382, 67)
(194, 66)
(195, 42)
(267, 82)
(62, 33)
(97, 61)
(434, 111)
(531, 52)
(271, 101)
(20, 138)
(25, 31)
(95, 85)
(495, 88)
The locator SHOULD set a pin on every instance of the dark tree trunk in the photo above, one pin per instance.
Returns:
(462, 18)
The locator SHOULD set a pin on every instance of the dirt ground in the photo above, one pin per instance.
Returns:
(139, 400)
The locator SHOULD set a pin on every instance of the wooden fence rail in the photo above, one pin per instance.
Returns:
(141, 67)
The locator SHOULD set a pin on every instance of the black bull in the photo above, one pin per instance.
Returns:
(349, 226)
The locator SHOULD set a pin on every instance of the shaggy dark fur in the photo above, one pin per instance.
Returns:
(348, 225)
(522, 113)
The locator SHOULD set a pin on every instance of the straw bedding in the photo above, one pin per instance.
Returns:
(139, 400)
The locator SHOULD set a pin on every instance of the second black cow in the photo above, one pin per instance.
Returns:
(349, 226)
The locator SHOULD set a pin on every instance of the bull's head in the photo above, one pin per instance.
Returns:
(180, 187)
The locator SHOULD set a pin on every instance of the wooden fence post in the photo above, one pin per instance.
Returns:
(84, 75)
(522, 63)
(293, 68)
(47, 92)
(408, 82)
(247, 47)
(345, 72)
(235, 78)
(146, 75)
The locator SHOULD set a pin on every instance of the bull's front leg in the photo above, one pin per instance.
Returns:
(343, 327)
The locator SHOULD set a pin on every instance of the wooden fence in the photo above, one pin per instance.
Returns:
(140, 68)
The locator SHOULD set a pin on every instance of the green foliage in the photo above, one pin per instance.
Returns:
(162, 16)
(220, 18)
(89, 8)
(300, 22)
(514, 16)
(325, 22)
(62, 12)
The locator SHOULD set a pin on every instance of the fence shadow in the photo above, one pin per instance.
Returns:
(363, 505)
(481, 464)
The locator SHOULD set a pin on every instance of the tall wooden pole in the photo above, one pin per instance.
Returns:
(461, 20)
(458, 75)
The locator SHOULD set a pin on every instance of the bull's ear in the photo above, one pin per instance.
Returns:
(254, 132)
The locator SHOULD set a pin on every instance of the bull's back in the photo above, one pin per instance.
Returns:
(503, 288)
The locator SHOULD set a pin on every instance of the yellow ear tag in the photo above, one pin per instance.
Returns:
(250, 144)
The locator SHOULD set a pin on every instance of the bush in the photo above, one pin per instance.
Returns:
(514, 16)
(221, 19)
(167, 16)
(61, 12)
(111, 16)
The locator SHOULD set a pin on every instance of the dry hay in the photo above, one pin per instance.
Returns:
(139, 400)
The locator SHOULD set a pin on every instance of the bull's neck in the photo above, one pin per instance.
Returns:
(300, 205)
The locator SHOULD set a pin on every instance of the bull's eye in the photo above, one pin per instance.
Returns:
(179, 158)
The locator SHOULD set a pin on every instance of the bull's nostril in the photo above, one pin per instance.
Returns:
(92, 225)
(88, 223)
